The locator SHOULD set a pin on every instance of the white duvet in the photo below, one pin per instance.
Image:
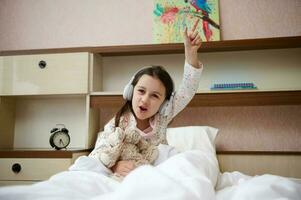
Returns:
(237, 186)
(189, 175)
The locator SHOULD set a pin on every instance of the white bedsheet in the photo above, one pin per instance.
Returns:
(186, 175)
(238, 186)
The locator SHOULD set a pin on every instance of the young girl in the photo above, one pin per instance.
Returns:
(152, 103)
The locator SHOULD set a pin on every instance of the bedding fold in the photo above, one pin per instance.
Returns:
(181, 176)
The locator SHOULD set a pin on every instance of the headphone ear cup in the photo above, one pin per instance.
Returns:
(166, 107)
(163, 107)
(128, 91)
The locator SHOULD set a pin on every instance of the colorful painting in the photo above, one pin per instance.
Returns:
(171, 16)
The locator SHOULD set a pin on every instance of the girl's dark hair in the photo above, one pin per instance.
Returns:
(154, 71)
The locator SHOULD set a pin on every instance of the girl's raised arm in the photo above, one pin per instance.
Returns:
(192, 72)
(192, 42)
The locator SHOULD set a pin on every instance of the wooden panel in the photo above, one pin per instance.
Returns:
(92, 119)
(150, 49)
(249, 128)
(41, 153)
(247, 99)
(7, 121)
(7, 183)
(248, 122)
(213, 46)
(63, 74)
(259, 129)
(218, 99)
(95, 72)
(282, 165)
(32, 169)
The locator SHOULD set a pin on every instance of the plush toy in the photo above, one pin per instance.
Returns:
(136, 148)
(125, 145)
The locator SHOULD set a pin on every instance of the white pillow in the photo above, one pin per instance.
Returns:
(192, 137)
(197, 138)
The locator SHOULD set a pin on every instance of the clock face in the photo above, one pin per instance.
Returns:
(61, 140)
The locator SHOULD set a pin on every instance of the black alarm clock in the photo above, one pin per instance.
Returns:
(59, 138)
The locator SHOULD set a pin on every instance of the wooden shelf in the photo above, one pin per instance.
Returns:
(217, 46)
(39, 153)
(36, 153)
(239, 152)
(218, 99)
(149, 49)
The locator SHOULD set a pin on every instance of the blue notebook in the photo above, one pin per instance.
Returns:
(233, 86)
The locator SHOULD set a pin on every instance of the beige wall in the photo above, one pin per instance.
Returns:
(36, 24)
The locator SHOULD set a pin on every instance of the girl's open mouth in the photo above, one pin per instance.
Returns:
(142, 109)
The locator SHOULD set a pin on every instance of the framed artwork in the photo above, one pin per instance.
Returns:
(171, 16)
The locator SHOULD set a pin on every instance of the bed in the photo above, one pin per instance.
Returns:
(229, 146)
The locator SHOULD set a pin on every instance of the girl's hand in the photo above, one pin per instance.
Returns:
(123, 167)
(192, 42)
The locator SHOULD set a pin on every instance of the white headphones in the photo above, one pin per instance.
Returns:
(128, 90)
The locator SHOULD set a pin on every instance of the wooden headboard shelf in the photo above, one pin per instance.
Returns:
(249, 122)
(253, 98)
(173, 48)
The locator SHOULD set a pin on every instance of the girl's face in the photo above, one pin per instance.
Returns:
(149, 94)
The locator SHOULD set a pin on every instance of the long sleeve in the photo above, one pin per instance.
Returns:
(186, 90)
